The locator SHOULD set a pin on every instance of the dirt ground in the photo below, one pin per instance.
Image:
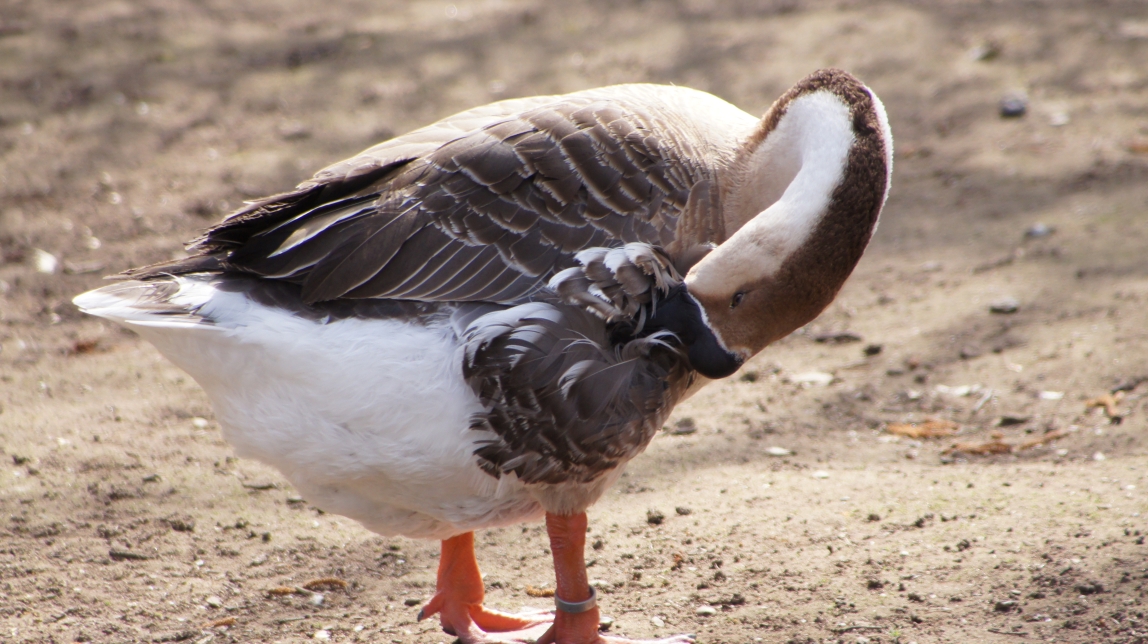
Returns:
(782, 505)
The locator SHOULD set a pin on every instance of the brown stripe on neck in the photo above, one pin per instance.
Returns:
(820, 267)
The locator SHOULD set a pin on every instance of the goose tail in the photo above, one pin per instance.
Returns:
(170, 302)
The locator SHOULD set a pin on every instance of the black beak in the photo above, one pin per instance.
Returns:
(680, 313)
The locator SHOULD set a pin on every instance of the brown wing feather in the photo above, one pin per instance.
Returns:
(560, 404)
(529, 184)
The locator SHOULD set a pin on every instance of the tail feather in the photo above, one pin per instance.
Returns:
(150, 303)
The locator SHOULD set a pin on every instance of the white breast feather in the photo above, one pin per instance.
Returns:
(368, 418)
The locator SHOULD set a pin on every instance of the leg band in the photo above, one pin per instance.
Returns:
(577, 607)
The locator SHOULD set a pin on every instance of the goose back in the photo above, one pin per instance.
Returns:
(489, 204)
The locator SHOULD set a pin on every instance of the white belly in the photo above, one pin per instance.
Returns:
(368, 418)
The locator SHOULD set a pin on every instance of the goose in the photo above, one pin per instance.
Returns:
(481, 322)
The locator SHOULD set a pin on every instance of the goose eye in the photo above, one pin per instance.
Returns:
(737, 298)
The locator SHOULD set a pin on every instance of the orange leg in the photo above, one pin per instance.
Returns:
(567, 543)
(458, 601)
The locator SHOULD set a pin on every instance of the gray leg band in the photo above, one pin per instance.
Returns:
(576, 607)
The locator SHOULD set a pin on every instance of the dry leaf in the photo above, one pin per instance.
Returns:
(539, 592)
(283, 590)
(1048, 437)
(84, 346)
(1137, 146)
(932, 428)
(995, 446)
(326, 583)
(998, 446)
(1108, 402)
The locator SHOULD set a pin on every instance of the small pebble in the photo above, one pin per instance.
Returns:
(960, 391)
(1013, 105)
(1133, 29)
(293, 131)
(684, 427)
(984, 51)
(1051, 395)
(706, 610)
(1058, 119)
(1005, 305)
(861, 639)
(658, 621)
(837, 337)
(1008, 420)
(821, 474)
(655, 517)
(199, 423)
(214, 602)
(412, 601)
(1005, 606)
(969, 352)
(779, 451)
(45, 262)
(1038, 230)
(317, 599)
(322, 635)
(818, 378)
(1099, 456)
(682, 510)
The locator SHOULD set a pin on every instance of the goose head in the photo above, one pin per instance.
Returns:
(803, 197)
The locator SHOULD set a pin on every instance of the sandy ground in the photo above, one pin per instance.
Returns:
(791, 510)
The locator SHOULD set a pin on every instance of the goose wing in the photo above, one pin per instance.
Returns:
(559, 405)
(486, 205)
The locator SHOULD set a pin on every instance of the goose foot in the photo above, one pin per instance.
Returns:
(458, 602)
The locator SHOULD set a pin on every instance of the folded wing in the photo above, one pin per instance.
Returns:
(484, 206)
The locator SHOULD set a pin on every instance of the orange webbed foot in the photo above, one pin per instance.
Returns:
(458, 602)
(476, 624)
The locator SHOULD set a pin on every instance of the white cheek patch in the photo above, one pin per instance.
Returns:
(817, 131)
